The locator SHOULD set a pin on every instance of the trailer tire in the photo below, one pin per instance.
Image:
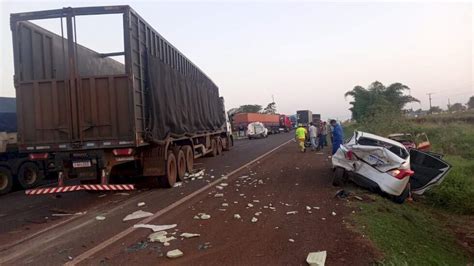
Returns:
(213, 148)
(219, 146)
(181, 164)
(189, 155)
(227, 143)
(6, 181)
(29, 175)
(339, 177)
(169, 179)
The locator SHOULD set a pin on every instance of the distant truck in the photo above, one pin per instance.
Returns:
(270, 121)
(150, 116)
(304, 117)
(285, 123)
(316, 118)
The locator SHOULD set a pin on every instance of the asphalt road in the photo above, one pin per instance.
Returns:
(29, 233)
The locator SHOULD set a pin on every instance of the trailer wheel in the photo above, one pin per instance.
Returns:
(29, 175)
(181, 163)
(189, 155)
(219, 146)
(213, 148)
(227, 143)
(169, 179)
(6, 181)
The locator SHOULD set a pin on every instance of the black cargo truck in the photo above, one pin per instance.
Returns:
(155, 113)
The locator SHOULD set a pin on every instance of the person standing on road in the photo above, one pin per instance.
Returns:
(324, 133)
(337, 135)
(313, 136)
(301, 133)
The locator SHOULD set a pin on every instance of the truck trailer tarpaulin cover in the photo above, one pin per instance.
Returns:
(180, 105)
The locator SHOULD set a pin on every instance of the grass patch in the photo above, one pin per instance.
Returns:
(408, 234)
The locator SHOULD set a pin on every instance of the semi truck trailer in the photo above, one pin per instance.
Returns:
(304, 117)
(270, 121)
(151, 115)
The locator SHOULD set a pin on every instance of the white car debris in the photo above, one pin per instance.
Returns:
(384, 165)
(254, 220)
(218, 195)
(157, 236)
(316, 258)
(189, 235)
(291, 212)
(237, 216)
(202, 216)
(175, 253)
(141, 204)
(137, 215)
(156, 228)
(100, 217)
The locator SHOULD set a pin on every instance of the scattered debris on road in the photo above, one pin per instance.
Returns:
(218, 195)
(156, 228)
(316, 258)
(100, 217)
(175, 253)
(157, 236)
(291, 212)
(237, 216)
(141, 204)
(291, 240)
(202, 216)
(189, 235)
(178, 184)
(333, 214)
(254, 220)
(137, 215)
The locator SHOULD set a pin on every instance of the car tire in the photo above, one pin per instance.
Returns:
(6, 181)
(339, 178)
(402, 197)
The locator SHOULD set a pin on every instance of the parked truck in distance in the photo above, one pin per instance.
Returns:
(271, 122)
(285, 123)
(316, 118)
(304, 117)
(151, 116)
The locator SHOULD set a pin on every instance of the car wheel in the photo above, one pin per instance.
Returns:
(339, 178)
(402, 197)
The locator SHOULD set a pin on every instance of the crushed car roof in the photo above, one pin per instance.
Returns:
(376, 137)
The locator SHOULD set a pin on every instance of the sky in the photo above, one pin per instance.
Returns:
(304, 54)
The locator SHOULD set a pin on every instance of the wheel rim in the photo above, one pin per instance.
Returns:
(3, 181)
(30, 176)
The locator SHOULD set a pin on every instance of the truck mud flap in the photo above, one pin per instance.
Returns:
(92, 187)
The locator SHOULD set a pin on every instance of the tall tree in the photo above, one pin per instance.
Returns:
(470, 103)
(378, 99)
(456, 107)
(250, 108)
(270, 109)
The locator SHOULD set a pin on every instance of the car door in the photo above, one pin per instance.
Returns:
(429, 169)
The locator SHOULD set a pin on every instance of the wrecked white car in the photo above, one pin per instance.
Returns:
(384, 165)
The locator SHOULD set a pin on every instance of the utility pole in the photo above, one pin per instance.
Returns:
(429, 95)
(449, 104)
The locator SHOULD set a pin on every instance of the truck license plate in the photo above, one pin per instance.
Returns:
(81, 164)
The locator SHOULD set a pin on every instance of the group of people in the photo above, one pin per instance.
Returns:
(317, 135)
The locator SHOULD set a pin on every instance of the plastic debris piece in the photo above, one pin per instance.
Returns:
(178, 184)
(155, 228)
(308, 208)
(141, 204)
(167, 239)
(324, 219)
(250, 205)
(265, 207)
(291, 240)
(258, 213)
(224, 184)
(237, 216)
(225, 204)
(316, 258)
(333, 214)
(219, 187)
(137, 215)
(100, 218)
(196, 217)
(359, 198)
(205, 216)
(292, 212)
(157, 236)
(218, 195)
(317, 208)
(166, 244)
(256, 200)
(189, 235)
(175, 253)
(254, 220)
